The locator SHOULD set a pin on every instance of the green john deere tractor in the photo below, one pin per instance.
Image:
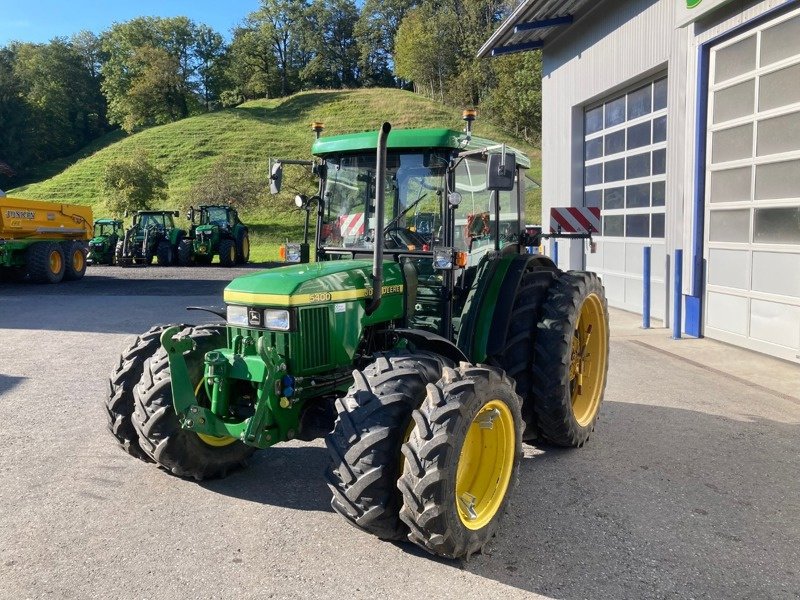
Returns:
(103, 244)
(424, 361)
(153, 234)
(220, 232)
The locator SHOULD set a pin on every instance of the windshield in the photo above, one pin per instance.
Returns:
(216, 216)
(101, 229)
(415, 186)
(158, 220)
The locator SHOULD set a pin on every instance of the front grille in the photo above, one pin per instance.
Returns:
(315, 336)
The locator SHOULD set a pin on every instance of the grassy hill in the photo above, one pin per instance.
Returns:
(249, 135)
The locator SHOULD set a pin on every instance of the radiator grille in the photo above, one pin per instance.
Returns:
(315, 335)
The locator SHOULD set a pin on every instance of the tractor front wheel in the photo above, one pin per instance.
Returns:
(227, 253)
(185, 253)
(165, 254)
(364, 446)
(243, 249)
(571, 359)
(461, 461)
(180, 451)
(124, 377)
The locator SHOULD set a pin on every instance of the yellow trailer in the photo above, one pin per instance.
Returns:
(44, 241)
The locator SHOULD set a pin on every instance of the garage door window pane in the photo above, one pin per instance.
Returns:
(637, 226)
(729, 226)
(594, 120)
(778, 180)
(732, 144)
(593, 148)
(660, 130)
(594, 174)
(780, 88)
(639, 135)
(615, 112)
(659, 162)
(781, 41)
(657, 225)
(734, 102)
(638, 196)
(777, 226)
(659, 193)
(639, 102)
(781, 134)
(614, 198)
(615, 170)
(615, 142)
(660, 94)
(612, 225)
(593, 199)
(638, 166)
(731, 185)
(736, 59)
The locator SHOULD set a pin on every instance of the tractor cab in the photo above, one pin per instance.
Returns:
(152, 234)
(216, 230)
(104, 240)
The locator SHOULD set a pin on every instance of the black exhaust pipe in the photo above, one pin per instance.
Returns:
(380, 202)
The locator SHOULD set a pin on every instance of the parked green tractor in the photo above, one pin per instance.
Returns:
(103, 245)
(152, 235)
(219, 232)
(424, 361)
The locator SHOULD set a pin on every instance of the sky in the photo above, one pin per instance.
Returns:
(42, 20)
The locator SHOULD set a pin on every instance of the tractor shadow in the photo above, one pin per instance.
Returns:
(289, 477)
(8, 382)
(662, 502)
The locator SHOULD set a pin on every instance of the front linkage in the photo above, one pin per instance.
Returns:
(276, 413)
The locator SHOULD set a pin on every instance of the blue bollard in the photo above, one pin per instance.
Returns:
(677, 300)
(555, 252)
(646, 287)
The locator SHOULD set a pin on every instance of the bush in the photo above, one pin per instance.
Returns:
(133, 184)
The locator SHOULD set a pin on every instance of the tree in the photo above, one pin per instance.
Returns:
(13, 115)
(228, 182)
(211, 54)
(515, 102)
(133, 184)
(251, 69)
(281, 21)
(331, 42)
(375, 33)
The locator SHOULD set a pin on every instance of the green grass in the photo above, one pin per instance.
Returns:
(250, 134)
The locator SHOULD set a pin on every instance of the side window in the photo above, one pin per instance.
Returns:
(475, 226)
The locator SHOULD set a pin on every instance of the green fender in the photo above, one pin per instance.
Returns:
(487, 311)
(175, 236)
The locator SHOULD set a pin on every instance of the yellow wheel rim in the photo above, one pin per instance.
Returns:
(246, 248)
(56, 262)
(587, 372)
(77, 260)
(232, 253)
(485, 465)
(212, 440)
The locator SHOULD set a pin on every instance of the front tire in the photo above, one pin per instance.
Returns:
(227, 253)
(165, 254)
(185, 253)
(461, 461)
(243, 249)
(364, 446)
(571, 359)
(179, 451)
(119, 400)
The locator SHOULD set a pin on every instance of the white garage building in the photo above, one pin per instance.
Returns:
(681, 120)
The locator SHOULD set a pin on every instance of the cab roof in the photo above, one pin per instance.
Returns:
(410, 139)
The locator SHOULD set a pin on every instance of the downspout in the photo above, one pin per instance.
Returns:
(380, 201)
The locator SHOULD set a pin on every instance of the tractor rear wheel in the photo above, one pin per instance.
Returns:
(243, 249)
(227, 253)
(45, 262)
(180, 451)
(74, 261)
(372, 424)
(185, 253)
(571, 359)
(165, 254)
(517, 358)
(461, 461)
(124, 377)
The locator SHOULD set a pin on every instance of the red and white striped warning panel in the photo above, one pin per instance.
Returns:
(574, 219)
(352, 225)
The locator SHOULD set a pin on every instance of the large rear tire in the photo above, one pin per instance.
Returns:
(119, 400)
(45, 262)
(179, 451)
(571, 359)
(461, 461)
(165, 254)
(364, 446)
(185, 253)
(517, 358)
(243, 249)
(227, 253)
(74, 261)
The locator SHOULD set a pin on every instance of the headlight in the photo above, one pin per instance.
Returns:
(237, 315)
(276, 319)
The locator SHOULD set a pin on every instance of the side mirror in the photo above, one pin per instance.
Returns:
(276, 178)
(190, 214)
(500, 171)
(126, 214)
(176, 213)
